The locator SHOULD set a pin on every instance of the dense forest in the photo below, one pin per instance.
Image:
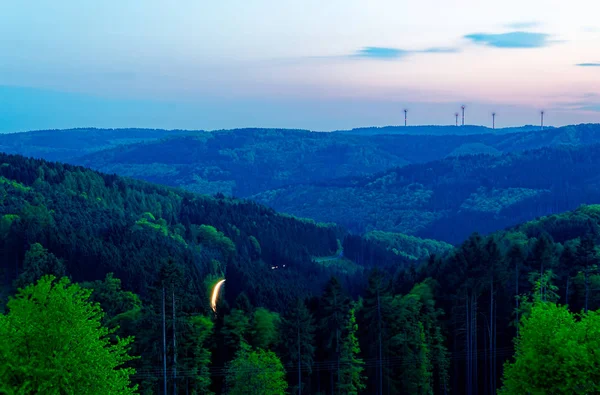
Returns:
(245, 162)
(450, 198)
(96, 224)
(412, 316)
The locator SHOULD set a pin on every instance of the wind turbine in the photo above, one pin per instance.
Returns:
(456, 118)
(493, 120)
(542, 123)
(463, 114)
(405, 112)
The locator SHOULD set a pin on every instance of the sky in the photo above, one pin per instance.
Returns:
(310, 64)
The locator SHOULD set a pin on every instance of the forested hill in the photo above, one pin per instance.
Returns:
(244, 162)
(451, 198)
(486, 288)
(97, 223)
(437, 130)
(64, 145)
(445, 326)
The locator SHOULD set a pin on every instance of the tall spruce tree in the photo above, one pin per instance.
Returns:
(298, 338)
(351, 366)
(334, 308)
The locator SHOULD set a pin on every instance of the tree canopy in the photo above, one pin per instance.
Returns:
(53, 342)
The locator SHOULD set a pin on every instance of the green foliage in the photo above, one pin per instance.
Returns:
(255, 251)
(265, 329)
(410, 247)
(452, 313)
(236, 327)
(122, 308)
(160, 226)
(298, 338)
(53, 342)
(198, 362)
(6, 222)
(448, 199)
(38, 262)
(169, 224)
(351, 366)
(14, 184)
(209, 235)
(256, 372)
(555, 353)
(334, 306)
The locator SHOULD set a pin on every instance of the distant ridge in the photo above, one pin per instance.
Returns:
(246, 162)
(438, 130)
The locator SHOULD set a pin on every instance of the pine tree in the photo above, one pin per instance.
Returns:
(587, 263)
(374, 327)
(298, 334)
(334, 307)
(351, 366)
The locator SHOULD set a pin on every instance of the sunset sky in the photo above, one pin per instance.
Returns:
(319, 65)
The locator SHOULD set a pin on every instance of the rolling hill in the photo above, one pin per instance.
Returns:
(245, 162)
(98, 224)
(450, 198)
(68, 220)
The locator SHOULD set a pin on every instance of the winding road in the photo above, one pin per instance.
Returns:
(215, 295)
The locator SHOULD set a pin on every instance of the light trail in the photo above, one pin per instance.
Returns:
(215, 295)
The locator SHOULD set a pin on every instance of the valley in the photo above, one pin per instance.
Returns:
(430, 249)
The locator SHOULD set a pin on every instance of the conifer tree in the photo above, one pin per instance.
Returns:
(351, 365)
(298, 337)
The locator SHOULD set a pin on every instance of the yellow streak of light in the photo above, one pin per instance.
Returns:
(215, 295)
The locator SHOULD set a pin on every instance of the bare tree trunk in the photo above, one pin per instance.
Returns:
(495, 344)
(567, 290)
(380, 349)
(487, 369)
(164, 342)
(587, 285)
(474, 325)
(174, 350)
(469, 335)
(299, 360)
(492, 338)
(517, 294)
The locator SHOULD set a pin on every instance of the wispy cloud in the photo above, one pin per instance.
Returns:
(438, 50)
(381, 53)
(593, 107)
(511, 40)
(522, 25)
(387, 53)
(593, 64)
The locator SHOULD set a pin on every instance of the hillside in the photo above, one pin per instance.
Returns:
(487, 284)
(451, 198)
(97, 223)
(245, 162)
(65, 145)
(67, 220)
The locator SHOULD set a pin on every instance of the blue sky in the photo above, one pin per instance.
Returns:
(296, 63)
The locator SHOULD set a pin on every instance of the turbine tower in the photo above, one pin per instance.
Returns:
(463, 114)
(542, 114)
(405, 111)
(456, 118)
(493, 120)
